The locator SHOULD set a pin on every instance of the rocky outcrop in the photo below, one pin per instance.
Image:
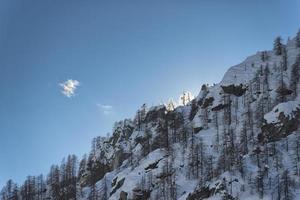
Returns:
(282, 128)
(236, 90)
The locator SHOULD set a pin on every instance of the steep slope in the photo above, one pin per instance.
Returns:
(236, 139)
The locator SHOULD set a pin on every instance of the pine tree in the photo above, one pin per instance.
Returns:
(277, 46)
(236, 109)
(298, 39)
(9, 191)
(53, 182)
(297, 156)
(216, 123)
(284, 59)
(227, 110)
(146, 146)
(232, 148)
(223, 158)
(173, 187)
(295, 76)
(104, 193)
(92, 176)
(260, 183)
(266, 90)
(28, 189)
(82, 169)
(40, 187)
(185, 98)
(200, 160)
(204, 118)
(191, 157)
(170, 105)
(63, 179)
(259, 112)
(70, 177)
(264, 56)
(244, 140)
(140, 117)
(210, 168)
(286, 186)
(256, 84)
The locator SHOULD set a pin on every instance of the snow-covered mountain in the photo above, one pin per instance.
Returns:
(238, 139)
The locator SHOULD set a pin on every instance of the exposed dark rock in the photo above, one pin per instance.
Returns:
(237, 90)
(114, 182)
(115, 137)
(284, 91)
(141, 140)
(275, 131)
(139, 194)
(220, 107)
(99, 170)
(202, 193)
(208, 102)
(161, 138)
(227, 196)
(164, 175)
(206, 192)
(119, 157)
(194, 108)
(155, 114)
(122, 132)
(123, 195)
(153, 165)
(198, 129)
(175, 120)
(119, 184)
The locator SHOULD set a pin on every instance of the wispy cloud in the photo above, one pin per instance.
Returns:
(106, 109)
(69, 87)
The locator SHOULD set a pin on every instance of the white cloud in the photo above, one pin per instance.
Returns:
(106, 109)
(69, 87)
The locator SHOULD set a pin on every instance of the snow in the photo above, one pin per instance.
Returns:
(287, 108)
(133, 177)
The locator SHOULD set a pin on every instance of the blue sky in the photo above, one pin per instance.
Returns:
(123, 54)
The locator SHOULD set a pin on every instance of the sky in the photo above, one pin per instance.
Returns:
(70, 69)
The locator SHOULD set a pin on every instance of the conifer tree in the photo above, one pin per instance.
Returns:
(295, 76)
(170, 105)
(9, 191)
(82, 168)
(53, 182)
(298, 39)
(286, 186)
(277, 46)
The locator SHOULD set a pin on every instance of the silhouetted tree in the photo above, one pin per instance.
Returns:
(278, 46)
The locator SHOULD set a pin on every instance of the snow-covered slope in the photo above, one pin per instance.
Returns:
(238, 139)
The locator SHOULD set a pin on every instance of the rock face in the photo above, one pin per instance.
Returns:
(238, 139)
(123, 195)
(283, 123)
(118, 185)
(237, 90)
